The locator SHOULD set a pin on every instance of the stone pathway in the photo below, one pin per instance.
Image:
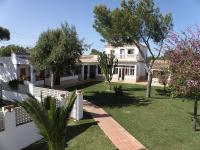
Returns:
(113, 130)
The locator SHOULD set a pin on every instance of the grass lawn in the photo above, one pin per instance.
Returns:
(160, 123)
(83, 135)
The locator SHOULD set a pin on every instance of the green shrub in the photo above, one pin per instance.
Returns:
(15, 83)
(118, 90)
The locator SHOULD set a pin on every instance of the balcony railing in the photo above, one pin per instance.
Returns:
(132, 57)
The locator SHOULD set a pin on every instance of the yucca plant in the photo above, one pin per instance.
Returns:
(50, 120)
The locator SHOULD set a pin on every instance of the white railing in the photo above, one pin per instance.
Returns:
(127, 57)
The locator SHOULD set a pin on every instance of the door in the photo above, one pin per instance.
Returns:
(57, 78)
(92, 71)
(85, 72)
(22, 73)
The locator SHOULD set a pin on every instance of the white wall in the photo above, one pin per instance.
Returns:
(7, 69)
(117, 50)
(17, 137)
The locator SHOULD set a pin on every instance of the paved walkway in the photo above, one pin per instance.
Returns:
(115, 132)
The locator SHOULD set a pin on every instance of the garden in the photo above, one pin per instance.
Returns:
(161, 122)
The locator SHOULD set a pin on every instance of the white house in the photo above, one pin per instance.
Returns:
(18, 66)
(131, 66)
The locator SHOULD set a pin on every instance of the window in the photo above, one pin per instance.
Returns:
(130, 51)
(132, 70)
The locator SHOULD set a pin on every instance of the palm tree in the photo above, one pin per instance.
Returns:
(4, 34)
(50, 120)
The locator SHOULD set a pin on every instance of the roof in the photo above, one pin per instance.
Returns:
(160, 64)
(126, 45)
(89, 58)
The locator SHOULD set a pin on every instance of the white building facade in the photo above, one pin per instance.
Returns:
(131, 67)
(18, 66)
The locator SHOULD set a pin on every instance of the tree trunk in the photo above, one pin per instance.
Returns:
(110, 86)
(44, 78)
(52, 79)
(148, 92)
(56, 146)
(195, 114)
(164, 88)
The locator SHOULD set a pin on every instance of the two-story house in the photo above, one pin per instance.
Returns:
(131, 67)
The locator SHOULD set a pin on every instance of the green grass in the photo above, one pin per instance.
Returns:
(160, 123)
(82, 135)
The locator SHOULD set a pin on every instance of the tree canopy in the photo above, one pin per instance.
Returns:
(95, 52)
(57, 48)
(4, 34)
(107, 65)
(5, 51)
(134, 23)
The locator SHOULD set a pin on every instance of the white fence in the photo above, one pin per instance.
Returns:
(16, 127)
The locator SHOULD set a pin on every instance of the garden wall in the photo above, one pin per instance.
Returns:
(17, 129)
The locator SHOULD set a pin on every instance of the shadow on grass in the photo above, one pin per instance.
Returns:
(72, 132)
(135, 89)
(109, 99)
(82, 86)
(162, 92)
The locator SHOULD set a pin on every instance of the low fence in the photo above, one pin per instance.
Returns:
(44, 92)
(15, 122)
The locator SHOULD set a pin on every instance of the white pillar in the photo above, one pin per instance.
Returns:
(135, 73)
(32, 74)
(88, 75)
(82, 72)
(77, 110)
(96, 70)
(9, 118)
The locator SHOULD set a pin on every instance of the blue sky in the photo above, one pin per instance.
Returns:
(26, 19)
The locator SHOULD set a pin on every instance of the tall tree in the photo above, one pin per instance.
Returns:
(95, 52)
(107, 65)
(184, 56)
(5, 51)
(57, 49)
(135, 23)
(4, 34)
(50, 120)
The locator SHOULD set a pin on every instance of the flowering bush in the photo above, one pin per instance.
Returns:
(184, 56)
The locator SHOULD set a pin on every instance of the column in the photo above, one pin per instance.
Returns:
(32, 74)
(135, 73)
(77, 110)
(96, 70)
(88, 74)
(82, 72)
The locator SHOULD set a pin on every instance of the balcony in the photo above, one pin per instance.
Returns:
(128, 57)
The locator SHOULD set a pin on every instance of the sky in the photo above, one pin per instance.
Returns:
(27, 19)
